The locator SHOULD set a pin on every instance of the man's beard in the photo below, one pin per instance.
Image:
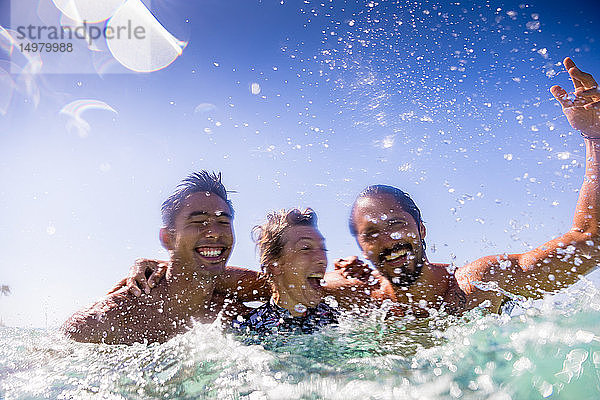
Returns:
(401, 277)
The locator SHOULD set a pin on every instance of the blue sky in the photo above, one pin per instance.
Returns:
(448, 101)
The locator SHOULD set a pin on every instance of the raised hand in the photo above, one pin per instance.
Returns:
(143, 275)
(583, 112)
(353, 267)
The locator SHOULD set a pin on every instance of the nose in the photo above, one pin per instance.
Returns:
(214, 231)
(389, 238)
(321, 258)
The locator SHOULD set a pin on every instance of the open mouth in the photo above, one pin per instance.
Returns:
(211, 254)
(397, 255)
(314, 280)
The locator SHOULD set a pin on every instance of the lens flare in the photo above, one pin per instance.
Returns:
(205, 108)
(88, 10)
(24, 65)
(7, 43)
(75, 109)
(7, 87)
(147, 46)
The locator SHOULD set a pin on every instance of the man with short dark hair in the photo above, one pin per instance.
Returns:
(198, 233)
(388, 228)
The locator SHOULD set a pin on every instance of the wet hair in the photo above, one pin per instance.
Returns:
(269, 235)
(202, 181)
(401, 197)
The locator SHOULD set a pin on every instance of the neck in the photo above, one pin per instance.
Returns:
(283, 300)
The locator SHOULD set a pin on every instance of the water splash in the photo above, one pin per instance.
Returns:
(441, 357)
(494, 287)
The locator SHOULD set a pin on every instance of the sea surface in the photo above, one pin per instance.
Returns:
(549, 349)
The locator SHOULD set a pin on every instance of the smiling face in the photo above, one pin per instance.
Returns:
(390, 238)
(203, 234)
(298, 272)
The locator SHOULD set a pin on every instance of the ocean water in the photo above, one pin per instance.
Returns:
(549, 350)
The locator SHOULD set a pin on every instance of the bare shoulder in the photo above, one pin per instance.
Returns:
(465, 279)
(90, 323)
(242, 284)
(233, 277)
(237, 272)
(118, 318)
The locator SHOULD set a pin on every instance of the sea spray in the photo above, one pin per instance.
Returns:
(551, 349)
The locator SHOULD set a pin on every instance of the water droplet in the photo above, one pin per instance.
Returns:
(301, 308)
(331, 301)
(255, 88)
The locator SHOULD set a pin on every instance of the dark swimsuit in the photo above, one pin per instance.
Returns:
(271, 319)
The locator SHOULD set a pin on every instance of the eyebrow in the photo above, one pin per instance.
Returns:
(204, 213)
(321, 239)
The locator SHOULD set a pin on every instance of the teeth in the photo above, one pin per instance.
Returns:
(317, 276)
(210, 252)
(396, 254)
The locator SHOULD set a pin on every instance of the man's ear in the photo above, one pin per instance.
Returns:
(167, 239)
(422, 230)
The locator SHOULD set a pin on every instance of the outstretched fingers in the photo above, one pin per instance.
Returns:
(571, 67)
(592, 94)
(581, 80)
(595, 105)
(133, 287)
(157, 275)
(561, 95)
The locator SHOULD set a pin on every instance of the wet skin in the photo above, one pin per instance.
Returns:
(392, 241)
(390, 238)
(297, 274)
(546, 268)
(200, 244)
(202, 238)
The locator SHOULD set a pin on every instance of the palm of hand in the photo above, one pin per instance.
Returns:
(586, 121)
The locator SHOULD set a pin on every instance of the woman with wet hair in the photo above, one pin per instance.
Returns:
(293, 257)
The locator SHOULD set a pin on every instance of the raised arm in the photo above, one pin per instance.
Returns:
(561, 261)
